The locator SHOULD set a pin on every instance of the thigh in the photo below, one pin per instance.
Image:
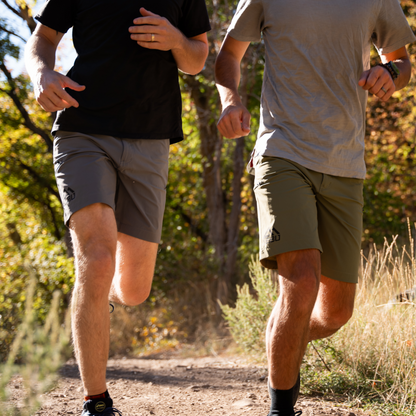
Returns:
(286, 208)
(85, 174)
(340, 207)
(141, 196)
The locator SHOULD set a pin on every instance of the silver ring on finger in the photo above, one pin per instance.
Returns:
(384, 90)
(152, 37)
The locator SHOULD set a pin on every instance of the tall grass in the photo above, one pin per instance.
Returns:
(379, 343)
(372, 360)
(36, 355)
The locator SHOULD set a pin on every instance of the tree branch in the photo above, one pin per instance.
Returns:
(38, 178)
(12, 9)
(11, 33)
(24, 13)
(27, 120)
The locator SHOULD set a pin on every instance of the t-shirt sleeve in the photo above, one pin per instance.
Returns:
(248, 21)
(58, 14)
(195, 19)
(392, 30)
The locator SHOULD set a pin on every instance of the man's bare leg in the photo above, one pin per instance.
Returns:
(94, 235)
(109, 265)
(303, 313)
(333, 308)
(135, 266)
(287, 332)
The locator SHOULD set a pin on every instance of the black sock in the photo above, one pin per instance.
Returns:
(282, 402)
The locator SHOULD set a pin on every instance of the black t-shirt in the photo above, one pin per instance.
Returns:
(131, 91)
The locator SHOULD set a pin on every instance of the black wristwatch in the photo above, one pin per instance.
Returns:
(392, 68)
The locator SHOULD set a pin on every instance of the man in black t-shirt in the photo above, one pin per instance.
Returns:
(119, 108)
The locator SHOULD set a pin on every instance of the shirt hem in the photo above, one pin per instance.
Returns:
(327, 170)
(173, 138)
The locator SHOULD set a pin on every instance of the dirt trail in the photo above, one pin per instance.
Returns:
(171, 385)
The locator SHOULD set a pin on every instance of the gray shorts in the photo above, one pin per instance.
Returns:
(129, 175)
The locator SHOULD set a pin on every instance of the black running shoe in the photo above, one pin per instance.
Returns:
(276, 413)
(100, 407)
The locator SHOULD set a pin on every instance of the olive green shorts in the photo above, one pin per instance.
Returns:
(302, 209)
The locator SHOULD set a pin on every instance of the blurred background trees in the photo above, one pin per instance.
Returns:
(210, 225)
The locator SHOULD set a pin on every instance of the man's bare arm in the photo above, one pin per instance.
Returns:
(49, 85)
(156, 32)
(235, 118)
(378, 80)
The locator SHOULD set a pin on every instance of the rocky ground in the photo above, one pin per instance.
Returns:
(173, 385)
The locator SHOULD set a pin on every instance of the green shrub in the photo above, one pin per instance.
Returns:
(36, 354)
(248, 320)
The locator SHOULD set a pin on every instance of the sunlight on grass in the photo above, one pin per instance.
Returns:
(370, 362)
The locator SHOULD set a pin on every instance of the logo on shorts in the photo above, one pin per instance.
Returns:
(100, 406)
(272, 235)
(69, 193)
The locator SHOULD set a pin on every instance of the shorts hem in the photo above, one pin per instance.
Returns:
(340, 276)
(150, 236)
(269, 263)
(69, 212)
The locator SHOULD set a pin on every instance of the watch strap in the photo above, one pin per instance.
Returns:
(392, 68)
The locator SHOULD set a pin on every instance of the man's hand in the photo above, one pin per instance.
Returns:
(155, 32)
(234, 121)
(49, 87)
(378, 81)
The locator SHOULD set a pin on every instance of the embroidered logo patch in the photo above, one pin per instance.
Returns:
(100, 406)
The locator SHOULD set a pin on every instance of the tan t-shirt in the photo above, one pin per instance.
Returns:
(312, 109)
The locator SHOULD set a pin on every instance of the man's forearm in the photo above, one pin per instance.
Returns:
(227, 78)
(405, 69)
(190, 56)
(39, 55)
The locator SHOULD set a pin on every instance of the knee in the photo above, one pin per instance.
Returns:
(99, 261)
(341, 317)
(336, 318)
(301, 289)
(95, 271)
(137, 297)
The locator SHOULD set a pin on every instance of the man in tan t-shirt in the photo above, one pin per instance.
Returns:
(308, 160)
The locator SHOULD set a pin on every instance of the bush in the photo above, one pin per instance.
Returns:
(248, 320)
(36, 354)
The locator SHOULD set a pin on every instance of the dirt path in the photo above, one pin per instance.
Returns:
(172, 385)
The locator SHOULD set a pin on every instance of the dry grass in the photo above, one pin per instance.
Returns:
(379, 343)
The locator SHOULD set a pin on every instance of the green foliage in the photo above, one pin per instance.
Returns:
(185, 224)
(23, 240)
(40, 351)
(248, 319)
